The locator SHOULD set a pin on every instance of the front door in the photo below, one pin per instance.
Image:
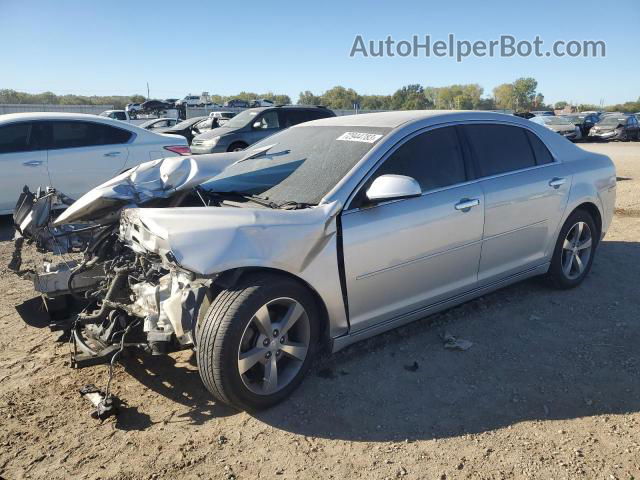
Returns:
(403, 255)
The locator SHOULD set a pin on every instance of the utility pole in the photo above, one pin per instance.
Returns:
(147, 90)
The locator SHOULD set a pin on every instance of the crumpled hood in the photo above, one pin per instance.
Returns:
(562, 128)
(215, 239)
(156, 179)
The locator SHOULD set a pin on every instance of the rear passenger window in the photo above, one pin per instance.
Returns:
(540, 150)
(433, 158)
(294, 117)
(15, 137)
(500, 148)
(86, 134)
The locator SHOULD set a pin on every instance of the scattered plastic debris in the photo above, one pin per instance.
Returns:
(454, 343)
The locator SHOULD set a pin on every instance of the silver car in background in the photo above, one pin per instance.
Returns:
(559, 125)
(333, 231)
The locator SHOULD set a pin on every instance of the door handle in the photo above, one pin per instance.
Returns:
(112, 154)
(33, 163)
(467, 203)
(557, 182)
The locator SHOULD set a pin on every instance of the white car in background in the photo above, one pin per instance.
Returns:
(72, 152)
(159, 123)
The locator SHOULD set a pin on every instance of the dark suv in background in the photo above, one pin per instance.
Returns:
(255, 124)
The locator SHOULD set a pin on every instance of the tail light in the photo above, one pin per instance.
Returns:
(179, 149)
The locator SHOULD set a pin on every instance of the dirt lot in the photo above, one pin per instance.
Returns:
(550, 389)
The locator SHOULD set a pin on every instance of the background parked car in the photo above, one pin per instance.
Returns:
(133, 108)
(72, 152)
(616, 127)
(543, 113)
(583, 121)
(255, 124)
(155, 105)
(158, 123)
(237, 104)
(559, 125)
(263, 102)
(185, 129)
(223, 117)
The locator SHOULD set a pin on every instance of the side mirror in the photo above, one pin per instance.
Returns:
(257, 125)
(393, 187)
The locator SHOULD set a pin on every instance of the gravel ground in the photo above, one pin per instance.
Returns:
(549, 389)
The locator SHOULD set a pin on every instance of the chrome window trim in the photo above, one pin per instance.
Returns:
(349, 209)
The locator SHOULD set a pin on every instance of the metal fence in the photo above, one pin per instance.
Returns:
(25, 107)
(205, 111)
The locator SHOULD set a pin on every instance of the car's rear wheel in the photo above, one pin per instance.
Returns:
(237, 147)
(257, 341)
(574, 250)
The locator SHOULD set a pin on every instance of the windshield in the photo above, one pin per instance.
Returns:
(612, 120)
(187, 123)
(242, 119)
(300, 164)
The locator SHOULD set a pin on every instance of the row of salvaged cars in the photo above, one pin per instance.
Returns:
(585, 126)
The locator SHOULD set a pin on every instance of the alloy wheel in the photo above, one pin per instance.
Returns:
(576, 250)
(274, 346)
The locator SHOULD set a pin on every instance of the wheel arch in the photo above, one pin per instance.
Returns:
(235, 143)
(229, 278)
(593, 210)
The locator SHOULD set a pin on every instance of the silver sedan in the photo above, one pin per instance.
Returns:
(338, 229)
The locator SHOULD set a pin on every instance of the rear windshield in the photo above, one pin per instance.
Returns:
(300, 164)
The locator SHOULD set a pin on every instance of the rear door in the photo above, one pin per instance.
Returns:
(85, 154)
(525, 193)
(23, 161)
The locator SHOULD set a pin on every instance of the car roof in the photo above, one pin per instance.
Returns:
(396, 118)
(9, 117)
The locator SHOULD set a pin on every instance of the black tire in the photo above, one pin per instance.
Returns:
(237, 146)
(222, 330)
(556, 275)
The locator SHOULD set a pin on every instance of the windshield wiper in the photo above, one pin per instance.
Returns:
(252, 198)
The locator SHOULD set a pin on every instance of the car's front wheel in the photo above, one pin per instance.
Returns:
(237, 147)
(574, 250)
(257, 341)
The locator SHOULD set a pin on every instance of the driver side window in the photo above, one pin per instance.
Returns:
(268, 120)
(433, 158)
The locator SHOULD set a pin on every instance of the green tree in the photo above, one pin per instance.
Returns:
(503, 96)
(560, 105)
(340, 98)
(308, 98)
(524, 93)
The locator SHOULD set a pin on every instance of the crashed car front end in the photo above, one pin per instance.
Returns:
(151, 258)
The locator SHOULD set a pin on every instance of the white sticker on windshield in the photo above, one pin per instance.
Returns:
(359, 137)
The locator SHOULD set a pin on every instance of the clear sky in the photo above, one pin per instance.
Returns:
(114, 47)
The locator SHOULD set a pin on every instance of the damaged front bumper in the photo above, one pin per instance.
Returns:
(121, 282)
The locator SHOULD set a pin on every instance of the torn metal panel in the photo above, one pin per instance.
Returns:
(150, 180)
